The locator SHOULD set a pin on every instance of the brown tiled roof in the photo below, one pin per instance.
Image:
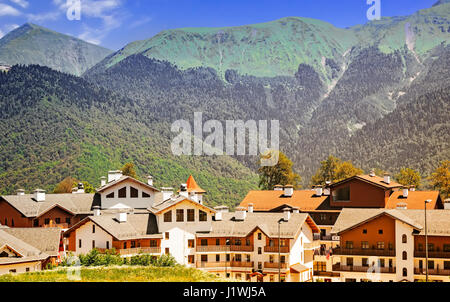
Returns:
(266, 222)
(415, 199)
(137, 226)
(122, 179)
(305, 200)
(73, 203)
(376, 180)
(44, 239)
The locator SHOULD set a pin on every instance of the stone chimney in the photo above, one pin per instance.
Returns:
(327, 189)
(387, 178)
(319, 191)
(250, 208)
(288, 191)
(167, 193)
(405, 192)
(150, 180)
(102, 181)
(447, 204)
(97, 211)
(122, 217)
(21, 192)
(278, 188)
(287, 214)
(114, 175)
(241, 213)
(39, 195)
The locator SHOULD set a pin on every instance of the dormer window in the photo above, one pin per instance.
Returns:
(342, 194)
(123, 193)
(134, 193)
(110, 195)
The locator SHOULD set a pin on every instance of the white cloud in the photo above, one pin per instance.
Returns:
(22, 3)
(49, 16)
(140, 22)
(7, 10)
(10, 27)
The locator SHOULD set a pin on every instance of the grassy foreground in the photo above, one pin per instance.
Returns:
(117, 274)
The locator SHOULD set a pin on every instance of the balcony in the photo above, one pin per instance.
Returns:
(274, 265)
(274, 249)
(53, 225)
(135, 251)
(231, 264)
(224, 248)
(326, 274)
(364, 252)
(421, 254)
(326, 237)
(363, 269)
(437, 272)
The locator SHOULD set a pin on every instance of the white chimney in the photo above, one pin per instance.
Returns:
(402, 206)
(412, 188)
(372, 173)
(287, 214)
(319, 191)
(296, 210)
(241, 213)
(20, 192)
(405, 192)
(102, 181)
(250, 208)
(447, 204)
(167, 193)
(194, 197)
(39, 195)
(184, 191)
(122, 217)
(219, 212)
(97, 211)
(114, 175)
(79, 189)
(327, 190)
(150, 180)
(387, 178)
(288, 191)
(278, 188)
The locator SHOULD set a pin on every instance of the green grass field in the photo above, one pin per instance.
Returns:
(118, 274)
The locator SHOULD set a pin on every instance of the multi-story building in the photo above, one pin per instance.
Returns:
(389, 245)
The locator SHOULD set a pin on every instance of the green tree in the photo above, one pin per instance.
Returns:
(65, 186)
(128, 170)
(280, 174)
(88, 188)
(333, 169)
(440, 179)
(408, 177)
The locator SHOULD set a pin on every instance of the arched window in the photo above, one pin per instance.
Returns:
(404, 238)
(405, 272)
(405, 255)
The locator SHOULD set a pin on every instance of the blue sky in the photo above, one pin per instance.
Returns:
(115, 23)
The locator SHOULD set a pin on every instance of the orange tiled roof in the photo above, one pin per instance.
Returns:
(305, 200)
(192, 186)
(414, 201)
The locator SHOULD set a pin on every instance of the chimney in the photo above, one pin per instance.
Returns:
(79, 189)
(387, 178)
(97, 211)
(39, 195)
(412, 188)
(102, 181)
(405, 192)
(319, 191)
(447, 204)
(194, 197)
(402, 206)
(327, 190)
(287, 214)
(114, 175)
(219, 212)
(184, 191)
(372, 173)
(288, 191)
(295, 210)
(150, 180)
(21, 192)
(250, 208)
(122, 217)
(278, 188)
(241, 213)
(167, 193)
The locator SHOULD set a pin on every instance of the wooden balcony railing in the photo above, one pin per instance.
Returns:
(363, 269)
(326, 274)
(421, 254)
(224, 248)
(274, 265)
(364, 252)
(139, 250)
(229, 264)
(53, 225)
(438, 272)
(274, 249)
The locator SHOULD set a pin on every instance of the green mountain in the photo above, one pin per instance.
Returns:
(33, 44)
(56, 125)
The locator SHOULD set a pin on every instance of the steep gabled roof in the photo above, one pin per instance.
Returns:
(124, 178)
(375, 180)
(171, 202)
(46, 240)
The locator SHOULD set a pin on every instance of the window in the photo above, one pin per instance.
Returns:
(380, 245)
(283, 242)
(36, 223)
(227, 257)
(153, 243)
(405, 255)
(202, 216)
(238, 242)
(191, 259)
(191, 215)
(145, 195)
(68, 220)
(431, 247)
(365, 262)
(259, 251)
(133, 244)
(272, 278)
(283, 259)
(404, 238)
(124, 245)
(447, 265)
(238, 276)
(6, 221)
(260, 265)
(168, 217)
(349, 245)
(364, 245)
(111, 195)
(57, 220)
(167, 251)
(271, 243)
(217, 241)
(380, 232)
(405, 272)
(217, 258)
(430, 264)
(12, 271)
(134, 193)
(79, 243)
(47, 221)
(364, 231)
(248, 258)
(180, 215)
(27, 269)
(238, 258)
(247, 242)
(123, 193)
(420, 247)
(271, 259)
(446, 247)
(93, 229)
(167, 235)
(204, 242)
(93, 244)
(259, 236)
(191, 243)
(391, 246)
(107, 245)
(349, 261)
(342, 194)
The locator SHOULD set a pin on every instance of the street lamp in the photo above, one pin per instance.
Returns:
(279, 248)
(426, 239)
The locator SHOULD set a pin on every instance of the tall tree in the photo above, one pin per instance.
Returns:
(65, 186)
(280, 174)
(440, 179)
(408, 177)
(333, 169)
(128, 170)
